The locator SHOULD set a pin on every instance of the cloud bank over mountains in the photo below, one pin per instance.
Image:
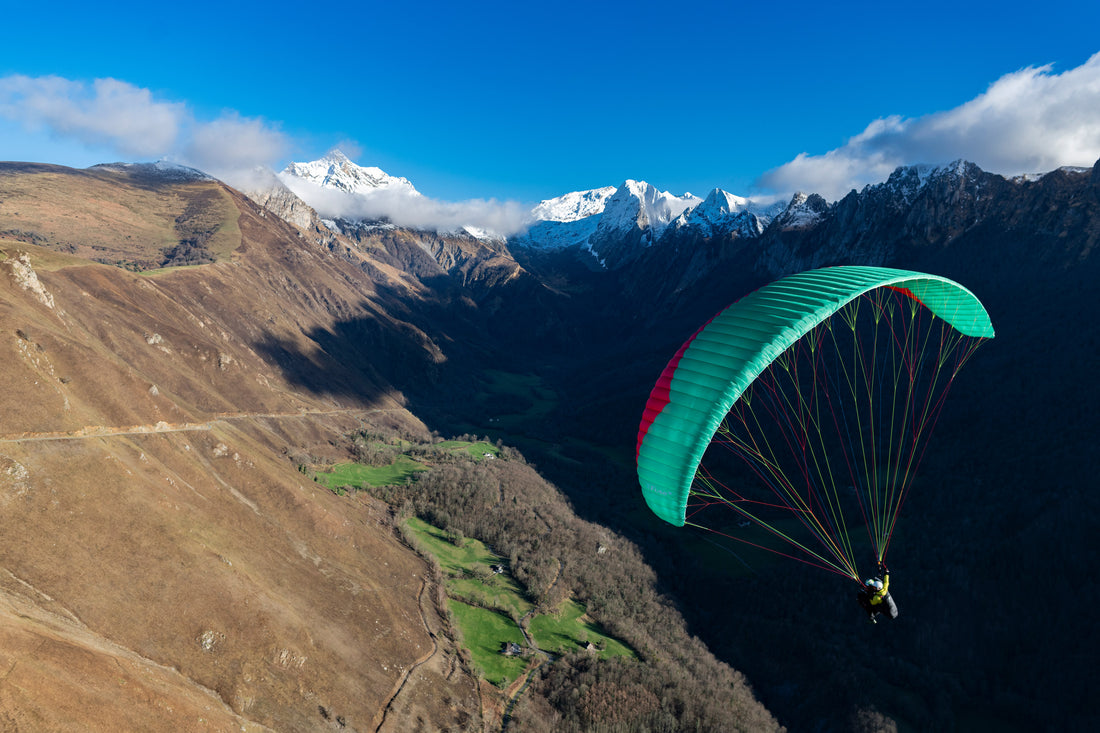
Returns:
(133, 123)
(1029, 121)
(403, 209)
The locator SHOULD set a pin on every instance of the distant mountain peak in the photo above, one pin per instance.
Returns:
(336, 156)
(906, 182)
(722, 211)
(336, 171)
(573, 206)
(803, 211)
(642, 205)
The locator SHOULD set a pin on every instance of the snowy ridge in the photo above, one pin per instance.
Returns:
(573, 206)
(565, 221)
(639, 204)
(550, 235)
(907, 182)
(336, 171)
(581, 218)
(1033, 177)
(600, 220)
(722, 211)
(344, 192)
(633, 219)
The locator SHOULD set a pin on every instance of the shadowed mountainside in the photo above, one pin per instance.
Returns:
(995, 560)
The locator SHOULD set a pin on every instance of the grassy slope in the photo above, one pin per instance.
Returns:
(108, 217)
(402, 470)
(486, 608)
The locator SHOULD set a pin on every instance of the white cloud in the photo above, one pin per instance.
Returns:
(116, 116)
(1029, 121)
(233, 144)
(108, 112)
(413, 210)
(128, 120)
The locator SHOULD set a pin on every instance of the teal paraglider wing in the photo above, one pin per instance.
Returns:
(719, 362)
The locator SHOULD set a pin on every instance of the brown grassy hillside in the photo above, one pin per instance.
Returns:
(164, 565)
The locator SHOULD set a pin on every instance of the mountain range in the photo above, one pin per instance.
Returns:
(623, 276)
(597, 221)
(179, 353)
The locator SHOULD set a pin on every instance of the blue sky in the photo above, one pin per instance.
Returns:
(519, 101)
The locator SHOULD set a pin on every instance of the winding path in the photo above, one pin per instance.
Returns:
(101, 431)
(380, 717)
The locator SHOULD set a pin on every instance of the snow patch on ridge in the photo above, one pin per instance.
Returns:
(573, 206)
(337, 188)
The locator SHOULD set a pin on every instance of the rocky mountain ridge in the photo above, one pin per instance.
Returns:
(613, 225)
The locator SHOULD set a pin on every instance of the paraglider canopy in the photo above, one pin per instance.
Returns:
(712, 370)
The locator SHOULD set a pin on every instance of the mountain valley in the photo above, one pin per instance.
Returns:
(181, 354)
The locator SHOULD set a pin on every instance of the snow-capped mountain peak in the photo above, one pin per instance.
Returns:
(642, 205)
(803, 211)
(906, 182)
(723, 211)
(716, 208)
(573, 206)
(633, 219)
(719, 204)
(336, 171)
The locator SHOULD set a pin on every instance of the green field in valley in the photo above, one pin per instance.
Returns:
(477, 450)
(487, 606)
(402, 469)
(483, 632)
(570, 630)
(356, 475)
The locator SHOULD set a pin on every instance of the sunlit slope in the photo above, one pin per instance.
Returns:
(93, 344)
(124, 216)
(165, 566)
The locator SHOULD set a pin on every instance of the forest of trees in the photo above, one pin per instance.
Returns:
(678, 684)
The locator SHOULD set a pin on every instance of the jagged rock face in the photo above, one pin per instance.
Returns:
(633, 219)
(912, 213)
(803, 212)
(917, 214)
(271, 194)
(720, 212)
(441, 259)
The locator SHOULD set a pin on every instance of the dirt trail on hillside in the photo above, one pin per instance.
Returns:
(102, 431)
